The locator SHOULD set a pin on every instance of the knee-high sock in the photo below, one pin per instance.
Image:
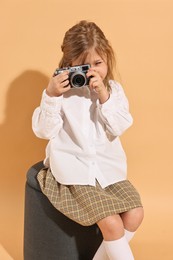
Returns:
(118, 249)
(128, 234)
(101, 252)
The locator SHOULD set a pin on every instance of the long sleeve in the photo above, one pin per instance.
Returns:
(47, 118)
(115, 111)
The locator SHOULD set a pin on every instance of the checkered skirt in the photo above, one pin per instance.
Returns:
(87, 204)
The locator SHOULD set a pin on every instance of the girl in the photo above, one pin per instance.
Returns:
(85, 165)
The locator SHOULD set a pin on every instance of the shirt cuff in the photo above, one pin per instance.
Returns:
(109, 105)
(51, 105)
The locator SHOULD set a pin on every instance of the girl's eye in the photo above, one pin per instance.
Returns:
(98, 62)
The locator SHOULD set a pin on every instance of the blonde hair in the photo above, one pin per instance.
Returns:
(82, 37)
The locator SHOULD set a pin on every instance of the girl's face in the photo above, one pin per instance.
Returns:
(96, 62)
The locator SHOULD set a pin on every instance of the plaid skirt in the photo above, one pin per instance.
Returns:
(87, 204)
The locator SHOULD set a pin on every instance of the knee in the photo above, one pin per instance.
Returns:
(111, 227)
(133, 218)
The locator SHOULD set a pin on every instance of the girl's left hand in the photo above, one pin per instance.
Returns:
(96, 84)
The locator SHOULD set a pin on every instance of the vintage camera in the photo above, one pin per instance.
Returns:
(77, 75)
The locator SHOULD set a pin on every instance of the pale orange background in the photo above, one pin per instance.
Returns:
(141, 32)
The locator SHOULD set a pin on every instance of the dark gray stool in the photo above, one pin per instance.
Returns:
(48, 234)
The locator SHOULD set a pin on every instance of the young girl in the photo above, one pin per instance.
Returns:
(85, 165)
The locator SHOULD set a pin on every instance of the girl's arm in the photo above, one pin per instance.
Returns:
(115, 111)
(47, 118)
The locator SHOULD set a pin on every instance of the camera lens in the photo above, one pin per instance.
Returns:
(78, 80)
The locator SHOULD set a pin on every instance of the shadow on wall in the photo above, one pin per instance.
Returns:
(19, 150)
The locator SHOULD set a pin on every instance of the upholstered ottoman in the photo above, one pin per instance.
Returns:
(48, 234)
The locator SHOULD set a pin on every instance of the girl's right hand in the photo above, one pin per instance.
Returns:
(58, 85)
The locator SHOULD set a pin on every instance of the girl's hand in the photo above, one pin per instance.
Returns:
(58, 85)
(96, 84)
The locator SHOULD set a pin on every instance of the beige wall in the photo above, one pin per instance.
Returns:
(141, 33)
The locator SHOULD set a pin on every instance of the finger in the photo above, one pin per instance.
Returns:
(94, 79)
(65, 83)
(63, 76)
(94, 82)
(65, 89)
(92, 73)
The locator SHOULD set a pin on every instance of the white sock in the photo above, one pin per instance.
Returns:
(101, 251)
(118, 249)
(129, 235)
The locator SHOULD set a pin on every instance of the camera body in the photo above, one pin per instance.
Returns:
(77, 75)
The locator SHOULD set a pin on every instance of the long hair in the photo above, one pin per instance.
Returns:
(82, 37)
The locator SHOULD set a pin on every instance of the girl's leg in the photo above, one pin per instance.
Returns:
(101, 252)
(118, 249)
(131, 221)
(115, 242)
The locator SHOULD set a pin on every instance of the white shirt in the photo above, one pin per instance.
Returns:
(83, 135)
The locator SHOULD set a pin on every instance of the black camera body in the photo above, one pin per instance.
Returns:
(77, 75)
